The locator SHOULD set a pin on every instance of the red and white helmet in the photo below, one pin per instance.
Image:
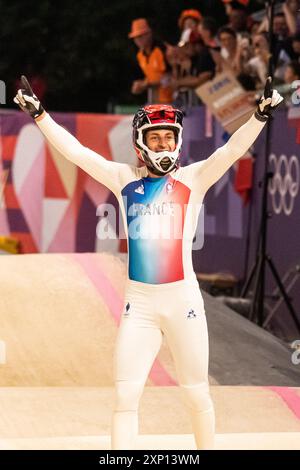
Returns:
(158, 116)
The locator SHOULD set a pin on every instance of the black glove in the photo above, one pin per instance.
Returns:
(268, 102)
(27, 100)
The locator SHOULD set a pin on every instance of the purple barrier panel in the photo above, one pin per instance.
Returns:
(196, 144)
(226, 223)
(13, 121)
(226, 220)
(283, 240)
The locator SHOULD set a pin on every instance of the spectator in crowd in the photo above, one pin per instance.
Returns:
(208, 30)
(192, 65)
(254, 27)
(281, 44)
(291, 13)
(238, 17)
(281, 53)
(290, 89)
(188, 22)
(241, 47)
(284, 22)
(292, 47)
(280, 27)
(244, 55)
(235, 56)
(151, 59)
(295, 43)
(292, 73)
(229, 5)
(229, 48)
(196, 65)
(257, 66)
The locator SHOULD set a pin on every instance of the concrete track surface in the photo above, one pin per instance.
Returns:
(58, 321)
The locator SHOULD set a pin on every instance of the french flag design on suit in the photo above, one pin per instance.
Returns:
(155, 210)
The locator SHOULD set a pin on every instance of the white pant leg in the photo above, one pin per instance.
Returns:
(138, 342)
(184, 324)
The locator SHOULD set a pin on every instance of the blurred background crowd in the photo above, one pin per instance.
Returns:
(171, 72)
(88, 59)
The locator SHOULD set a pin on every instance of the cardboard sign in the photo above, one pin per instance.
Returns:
(227, 100)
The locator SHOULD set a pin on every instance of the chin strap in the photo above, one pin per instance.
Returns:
(155, 171)
(160, 173)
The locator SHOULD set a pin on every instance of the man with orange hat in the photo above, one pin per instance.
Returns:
(152, 62)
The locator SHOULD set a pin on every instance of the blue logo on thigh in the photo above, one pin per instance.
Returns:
(191, 314)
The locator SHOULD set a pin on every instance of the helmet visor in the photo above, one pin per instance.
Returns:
(162, 116)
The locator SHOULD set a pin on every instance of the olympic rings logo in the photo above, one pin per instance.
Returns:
(284, 186)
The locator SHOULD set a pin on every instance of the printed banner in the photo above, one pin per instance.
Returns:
(227, 100)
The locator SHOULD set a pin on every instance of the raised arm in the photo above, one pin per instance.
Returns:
(104, 171)
(290, 18)
(209, 171)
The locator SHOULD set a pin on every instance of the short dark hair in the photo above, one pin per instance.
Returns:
(227, 30)
(238, 6)
(295, 66)
(210, 24)
(279, 15)
(296, 37)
